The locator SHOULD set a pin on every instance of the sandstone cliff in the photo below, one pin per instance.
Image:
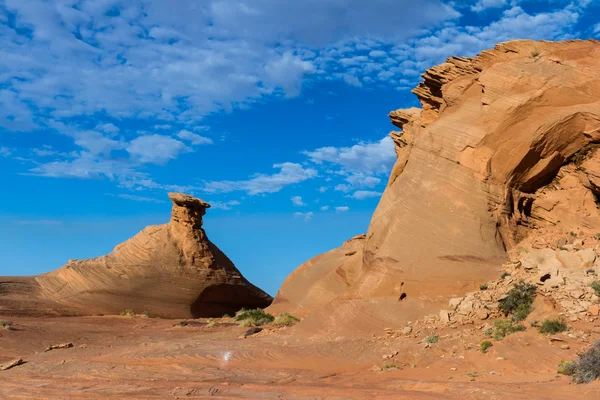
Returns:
(502, 151)
(169, 270)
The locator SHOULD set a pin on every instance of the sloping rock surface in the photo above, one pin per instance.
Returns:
(503, 150)
(169, 270)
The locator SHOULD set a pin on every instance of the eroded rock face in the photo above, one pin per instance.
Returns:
(169, 270)
(505, 144)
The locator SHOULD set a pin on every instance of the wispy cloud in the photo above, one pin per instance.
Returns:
(44, 222)
(133, 197)
(365, 194)
(342, 209)
(194, 138)
(305, 216)
(297, 201)
(289, 174)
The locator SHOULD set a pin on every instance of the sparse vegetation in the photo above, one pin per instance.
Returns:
(553, 326)
(505, 327)
(127, 313)
(588, 367)
(483, 287)
(519, 301)
(389, 367)
(182, 323)
(488, 332)
(6, 325)
(522, 249)
(596, 286)
(210, 323)
(484, 346)
(535, 53)
(504, 275)
(146, 314)
(432, 339)
(256, 317)
(567, 368)
(591, 271)
(535, 323)
(286, 319)
(597, 236)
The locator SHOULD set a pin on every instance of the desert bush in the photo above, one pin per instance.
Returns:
(182, 323)
(484, 346)
(596, 286)
(505, 327)
(389, 367)
(590, 271)
(6, 325)
(146, 314)
(286, 319)
(588, 367)
(256, 317)
(211, 323)
(518, 301)
(553, 326)
(127, 313)
(567, 368)
(483, 287)
(432, 339)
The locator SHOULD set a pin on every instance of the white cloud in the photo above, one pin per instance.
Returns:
(362, 181)
(289, 174)
(162, 126)
(365, 158)
(365, 194)
(5, 151)
(297, 201)
(483, 5)
(111, 129)
(342, 209)
(342, 188)
(596, 29)
(156, 149)
(136, 198)
(324, 208)
(226, 205)
(306, 216)
(193, 138)
(323, 189)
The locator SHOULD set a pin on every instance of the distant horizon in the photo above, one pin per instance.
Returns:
(280, 125)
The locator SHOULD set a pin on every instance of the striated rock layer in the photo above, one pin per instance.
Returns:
(504, 149)
(169, 270)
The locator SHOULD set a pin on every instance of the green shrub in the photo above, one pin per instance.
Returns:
(146, 314)
(596, 286)
(518, 301)
(484, 346)
(567, 368)
(483, 287)
(182, 323)
(256, 317)
(553, 326)
(432, 339)
(588, 367)
(389, 367)
(286, 319)
(505, 327)
(488, 332)
(127, 313)
(6, 325)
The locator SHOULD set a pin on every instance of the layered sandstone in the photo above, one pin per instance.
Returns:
(503, 150)
(171, 270)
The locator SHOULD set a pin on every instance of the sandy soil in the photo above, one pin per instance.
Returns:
(141, 358)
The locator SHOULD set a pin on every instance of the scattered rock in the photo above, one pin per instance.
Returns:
(252, 331)
(406, 330)
(565, 347)
(594, 310)
(482, 314)
(59, 346)
(455, 302)
(444, 316)
(12, 364)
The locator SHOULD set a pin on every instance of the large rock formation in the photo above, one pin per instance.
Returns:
(503, 149)
(169, 270)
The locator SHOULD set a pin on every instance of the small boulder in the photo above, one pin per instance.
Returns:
(455, 302)
(406, 330)
(12, 364)
(481, 314)
(252, 331)
(444, 316)
(594, 310)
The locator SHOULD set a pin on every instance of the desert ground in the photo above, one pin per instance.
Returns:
(143, 358)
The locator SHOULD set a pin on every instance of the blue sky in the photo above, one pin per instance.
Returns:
(274, 111)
